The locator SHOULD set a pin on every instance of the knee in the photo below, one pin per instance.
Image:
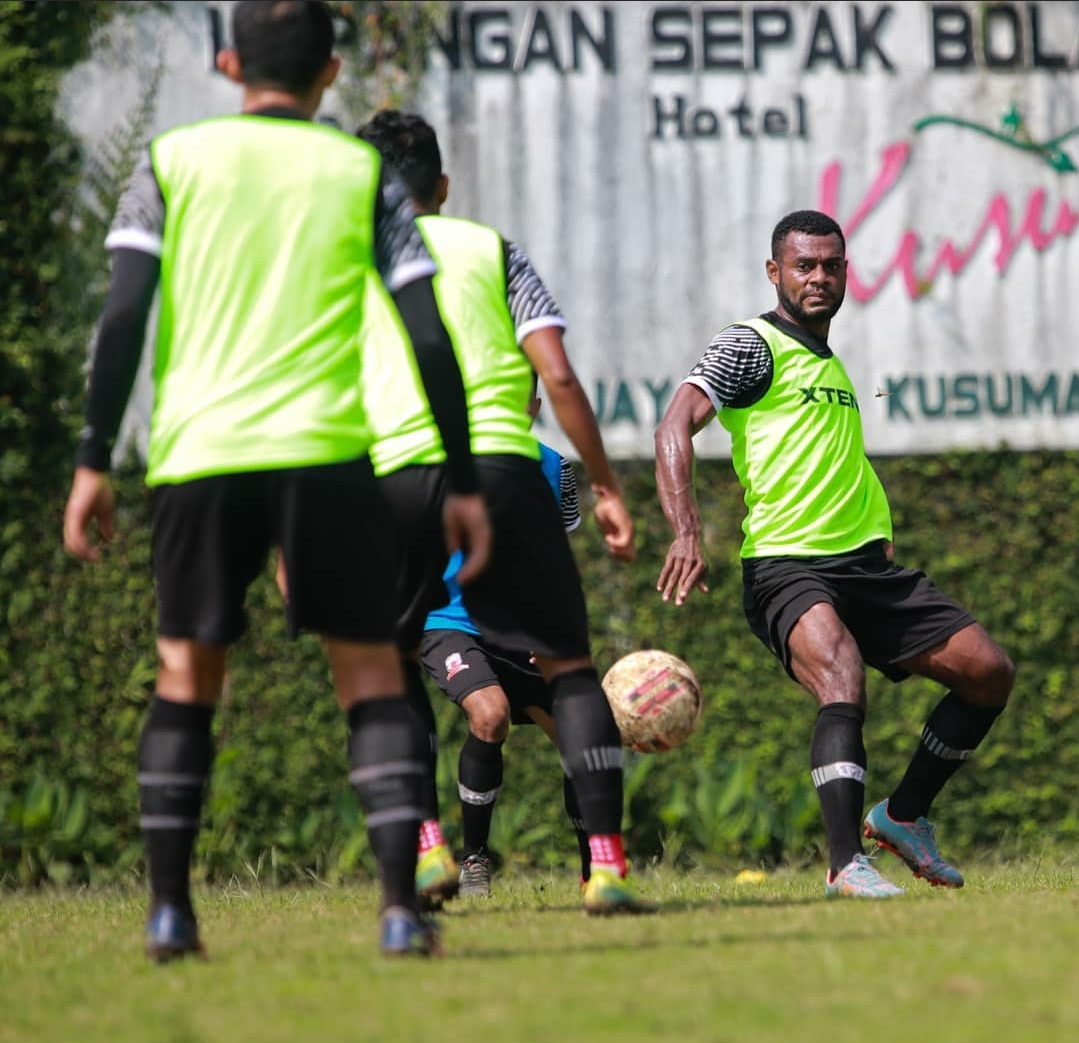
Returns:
(1002, 679)
(189, 671)
(488, 716)
(993, 681)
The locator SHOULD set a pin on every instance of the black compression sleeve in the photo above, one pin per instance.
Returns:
(121, 333)
(441, 378)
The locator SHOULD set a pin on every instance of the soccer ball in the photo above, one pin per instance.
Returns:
(655, 698)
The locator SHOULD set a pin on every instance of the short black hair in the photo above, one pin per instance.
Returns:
(408, 144)
(811, 222)
(283, 44)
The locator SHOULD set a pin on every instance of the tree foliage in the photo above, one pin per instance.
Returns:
(44, 310)
(384, 46)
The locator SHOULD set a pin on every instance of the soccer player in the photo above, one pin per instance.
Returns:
(506, 327)
(260, 230)
(821, 588)
(495, 688)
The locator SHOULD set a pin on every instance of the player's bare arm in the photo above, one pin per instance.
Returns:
(686, 565)
(546, 351)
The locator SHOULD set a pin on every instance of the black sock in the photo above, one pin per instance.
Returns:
(573, 810)
(479, 780)
(837, 757)
(175, 755)
(951, 735)
(591, 748)
(387, 756)
(420, 701)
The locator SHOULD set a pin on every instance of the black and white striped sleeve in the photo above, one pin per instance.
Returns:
(529, 300)
(571, 509)
(139, 221)
(735, 369)
(400, 251)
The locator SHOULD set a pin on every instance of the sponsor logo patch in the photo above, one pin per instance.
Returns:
(454, 665)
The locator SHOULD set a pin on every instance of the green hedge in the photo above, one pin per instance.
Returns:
(77, 658)
(993, 529)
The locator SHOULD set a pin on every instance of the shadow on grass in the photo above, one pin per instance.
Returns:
(467, 908)
(463, 949)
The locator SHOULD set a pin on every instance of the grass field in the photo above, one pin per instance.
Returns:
(769, 961)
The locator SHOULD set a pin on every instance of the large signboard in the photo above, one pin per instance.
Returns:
(642, 152)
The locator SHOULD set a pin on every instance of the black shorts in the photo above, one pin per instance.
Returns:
(213, 536)
(415, 496)
(460, 664)
(529, 598)
(893, 613)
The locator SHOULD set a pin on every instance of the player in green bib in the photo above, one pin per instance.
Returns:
(260, 230)
(821, 588)
(529, 601)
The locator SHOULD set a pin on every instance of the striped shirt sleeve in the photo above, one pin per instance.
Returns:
(571, 510)
(735, 369)
(139, 222)
(400, 252)
(529, 300)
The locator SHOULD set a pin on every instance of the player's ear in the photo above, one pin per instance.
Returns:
(772, 270)
(443, 190)
(329, 73)
(227, 61)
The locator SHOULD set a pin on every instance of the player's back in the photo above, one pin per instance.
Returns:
(268, 240)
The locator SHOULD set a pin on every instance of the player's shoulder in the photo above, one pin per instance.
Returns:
(450, 229)
(742, 334)
(464, 225)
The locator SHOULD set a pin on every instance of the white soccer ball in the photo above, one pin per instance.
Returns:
(655, 698)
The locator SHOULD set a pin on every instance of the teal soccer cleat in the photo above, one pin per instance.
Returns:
(915, 843)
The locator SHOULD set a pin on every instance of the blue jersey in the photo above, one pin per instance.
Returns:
(563, 481)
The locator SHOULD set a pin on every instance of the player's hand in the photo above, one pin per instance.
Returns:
(615, 523)
(468, 529)
(90, 501)
(685, 568)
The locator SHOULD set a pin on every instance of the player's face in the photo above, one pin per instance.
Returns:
(810, 277)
